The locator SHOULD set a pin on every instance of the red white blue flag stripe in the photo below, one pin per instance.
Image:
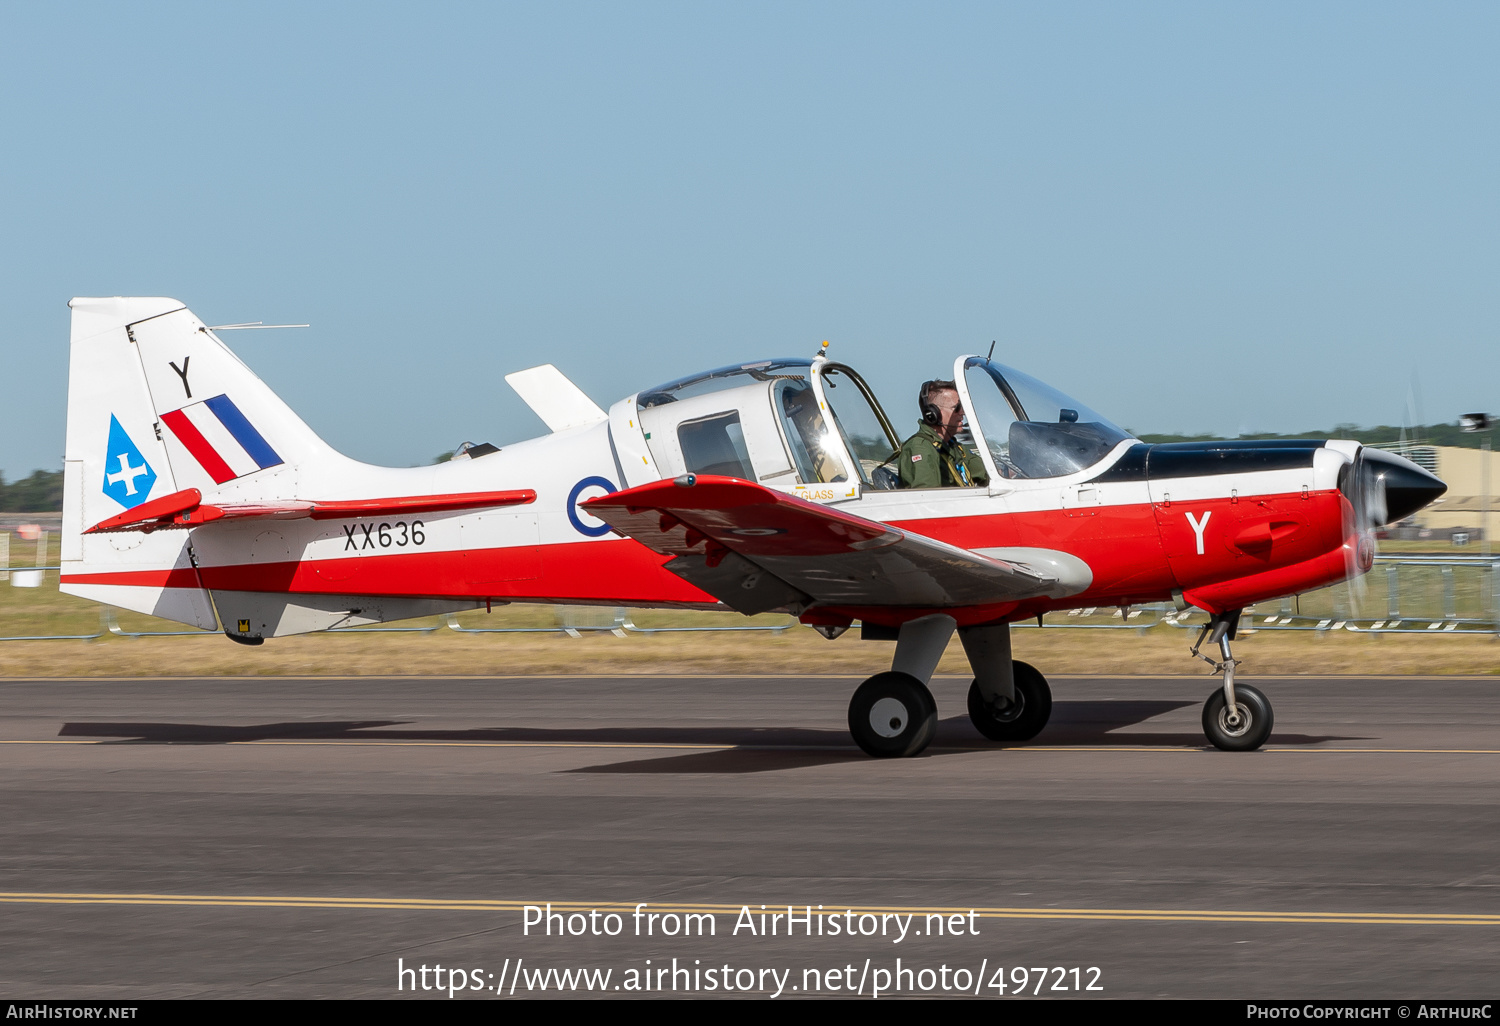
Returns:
(221, 439)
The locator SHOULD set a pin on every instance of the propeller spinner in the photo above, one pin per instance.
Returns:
(1383, 488)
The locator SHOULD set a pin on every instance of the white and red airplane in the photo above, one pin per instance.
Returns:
(193, 493)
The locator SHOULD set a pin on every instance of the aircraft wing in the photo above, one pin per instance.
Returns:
(757, 549)
(187, 509)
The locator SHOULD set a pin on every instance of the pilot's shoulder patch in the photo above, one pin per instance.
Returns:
(916, 457)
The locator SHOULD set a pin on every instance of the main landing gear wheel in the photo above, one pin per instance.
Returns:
(1244, 732)
(1020, 719)
(892, 715)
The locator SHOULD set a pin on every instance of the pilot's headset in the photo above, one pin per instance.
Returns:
(930, 413)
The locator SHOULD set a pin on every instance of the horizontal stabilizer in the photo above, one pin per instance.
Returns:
(186, 509)
(551, 396)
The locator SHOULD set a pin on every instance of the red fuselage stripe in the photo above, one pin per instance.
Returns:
(183, 577)
(618, 571)
(1138, 553)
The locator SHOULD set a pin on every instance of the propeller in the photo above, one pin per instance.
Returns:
(1382, 488)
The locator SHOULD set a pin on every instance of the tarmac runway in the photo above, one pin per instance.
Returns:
(313, 838)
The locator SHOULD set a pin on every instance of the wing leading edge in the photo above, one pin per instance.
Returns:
(756, 549)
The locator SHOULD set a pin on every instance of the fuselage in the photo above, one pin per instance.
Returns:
(1120, 522)
(1148, 521)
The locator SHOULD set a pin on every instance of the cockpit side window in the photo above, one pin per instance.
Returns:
(715, 445)
(860, 421)
(813, 451)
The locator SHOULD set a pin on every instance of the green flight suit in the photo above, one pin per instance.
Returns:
(926, 461)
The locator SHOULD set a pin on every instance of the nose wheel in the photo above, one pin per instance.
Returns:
(1235, 718)
(892, 715)
(1245, 728)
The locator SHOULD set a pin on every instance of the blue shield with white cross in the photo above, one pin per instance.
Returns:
(127, 476)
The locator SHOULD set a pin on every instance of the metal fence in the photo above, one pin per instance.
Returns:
(1437, 595)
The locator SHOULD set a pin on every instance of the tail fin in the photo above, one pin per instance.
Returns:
(157, 404)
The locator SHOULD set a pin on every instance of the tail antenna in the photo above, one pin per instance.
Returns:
(991, 352)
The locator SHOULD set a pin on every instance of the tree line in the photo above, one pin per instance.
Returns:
(42, 492)
(1425, 434)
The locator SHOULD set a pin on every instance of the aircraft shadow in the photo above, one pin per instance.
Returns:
(364, 730)
(220, 734)
(1071, 723)
(750, 749)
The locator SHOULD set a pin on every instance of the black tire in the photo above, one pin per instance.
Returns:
(892, 715)
(1020, 720)
(1255, 711)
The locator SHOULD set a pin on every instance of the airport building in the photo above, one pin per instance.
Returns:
(1468, 510)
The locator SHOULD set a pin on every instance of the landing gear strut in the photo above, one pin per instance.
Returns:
(1008, 701)
(1235, 719)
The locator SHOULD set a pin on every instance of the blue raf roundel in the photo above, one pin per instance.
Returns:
(573, 518)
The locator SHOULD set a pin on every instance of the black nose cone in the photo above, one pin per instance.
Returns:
(1405, 486)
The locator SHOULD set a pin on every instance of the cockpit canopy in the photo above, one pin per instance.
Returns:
(770, 422)
(1031, 429)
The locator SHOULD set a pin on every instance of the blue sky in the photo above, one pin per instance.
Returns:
(1200, 217)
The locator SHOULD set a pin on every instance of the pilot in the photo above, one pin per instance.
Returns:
(933, 457)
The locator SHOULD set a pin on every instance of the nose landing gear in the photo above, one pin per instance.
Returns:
(1234, 719)
(1244, 730)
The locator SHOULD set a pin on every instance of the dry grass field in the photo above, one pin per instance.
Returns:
(1159, 650)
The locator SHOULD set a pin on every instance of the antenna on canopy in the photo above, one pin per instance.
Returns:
(246, 325)
(991, 352)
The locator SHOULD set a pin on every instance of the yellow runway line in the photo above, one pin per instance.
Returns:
(376, 743)
(1493, 678)
(1205, 749)
(1391, 751)
(626, 908)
